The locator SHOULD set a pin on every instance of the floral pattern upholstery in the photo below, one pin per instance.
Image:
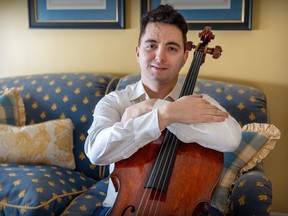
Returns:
(51, 190)
(53, 96)
(259, 187)
(48, 190)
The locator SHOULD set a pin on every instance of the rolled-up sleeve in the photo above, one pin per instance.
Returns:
(221, 136)
(110, 140)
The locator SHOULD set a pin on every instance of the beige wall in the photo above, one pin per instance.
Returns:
(257, 57)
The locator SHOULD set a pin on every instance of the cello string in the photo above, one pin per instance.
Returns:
(168, 165)
(157, 192)
(165, 155)
(191, 78)
(172, 148)
(194, 71)
(173, 145)
(173, 137)
(151, 178)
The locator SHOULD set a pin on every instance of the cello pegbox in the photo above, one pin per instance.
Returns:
(206, 35)
(215, 52)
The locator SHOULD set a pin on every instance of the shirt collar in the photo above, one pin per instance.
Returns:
(140, 93)
(175, 93)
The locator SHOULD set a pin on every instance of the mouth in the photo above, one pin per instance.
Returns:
(159, 67)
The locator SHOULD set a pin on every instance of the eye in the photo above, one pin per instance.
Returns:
(174, 49)
(151, 46)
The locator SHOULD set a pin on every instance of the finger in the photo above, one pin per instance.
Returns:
(217, 113)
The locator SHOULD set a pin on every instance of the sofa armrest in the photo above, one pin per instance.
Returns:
(251, 194)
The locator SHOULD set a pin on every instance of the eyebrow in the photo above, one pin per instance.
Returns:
(169, 43)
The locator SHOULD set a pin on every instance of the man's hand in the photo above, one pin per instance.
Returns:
(188, 110)
(138, 109)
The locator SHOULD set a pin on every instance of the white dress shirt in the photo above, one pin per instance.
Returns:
(110, 140)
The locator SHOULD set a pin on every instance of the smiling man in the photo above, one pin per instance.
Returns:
(127, 120)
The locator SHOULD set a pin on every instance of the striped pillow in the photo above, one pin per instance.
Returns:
(257, 141)
(12, 110)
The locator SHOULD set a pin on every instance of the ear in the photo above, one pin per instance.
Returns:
(137, 53)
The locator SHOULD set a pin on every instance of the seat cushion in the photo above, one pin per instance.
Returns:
(39, 190)
(87, 203)
(252, 195)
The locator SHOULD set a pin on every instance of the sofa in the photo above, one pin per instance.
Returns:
(43, 126)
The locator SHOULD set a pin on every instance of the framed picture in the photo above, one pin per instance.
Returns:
(99, 14)
(219, 14)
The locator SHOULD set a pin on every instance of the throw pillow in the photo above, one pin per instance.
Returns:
(12, 110)
(49, 143)
(257, 141)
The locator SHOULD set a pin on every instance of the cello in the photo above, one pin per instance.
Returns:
(167, 176)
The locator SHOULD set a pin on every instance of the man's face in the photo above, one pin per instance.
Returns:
(160, 53)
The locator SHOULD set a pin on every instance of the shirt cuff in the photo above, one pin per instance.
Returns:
(146, 127)
(160, 103)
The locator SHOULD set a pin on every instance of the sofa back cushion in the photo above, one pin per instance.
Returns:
(67, 95)
(245, 103)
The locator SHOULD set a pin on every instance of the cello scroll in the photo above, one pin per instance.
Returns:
(206, 36)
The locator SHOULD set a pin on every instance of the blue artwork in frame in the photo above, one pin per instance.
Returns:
(99, 14)
(220, 15)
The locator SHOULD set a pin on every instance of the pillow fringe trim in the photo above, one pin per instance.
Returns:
(272, 134)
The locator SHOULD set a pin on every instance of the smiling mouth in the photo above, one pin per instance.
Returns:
(158, 67)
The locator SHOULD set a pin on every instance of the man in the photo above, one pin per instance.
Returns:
(125, 121)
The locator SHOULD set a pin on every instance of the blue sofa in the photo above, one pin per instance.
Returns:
(48, 189)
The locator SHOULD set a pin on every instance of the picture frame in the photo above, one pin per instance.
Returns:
(90, 14)
(230, 15)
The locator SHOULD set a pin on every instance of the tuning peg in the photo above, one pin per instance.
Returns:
(217, 52)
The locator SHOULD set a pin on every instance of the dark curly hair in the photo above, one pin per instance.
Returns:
(164, 14)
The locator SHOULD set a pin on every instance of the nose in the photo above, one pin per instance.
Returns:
(160, 55)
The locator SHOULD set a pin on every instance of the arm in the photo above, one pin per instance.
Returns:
(119, 129)
(200, 120)
(110, 139)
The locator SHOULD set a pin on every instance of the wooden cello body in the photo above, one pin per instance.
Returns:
(167, 176)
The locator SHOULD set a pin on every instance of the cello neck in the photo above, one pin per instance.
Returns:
(190, 81)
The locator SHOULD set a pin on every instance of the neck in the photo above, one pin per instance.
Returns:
(158, 91)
